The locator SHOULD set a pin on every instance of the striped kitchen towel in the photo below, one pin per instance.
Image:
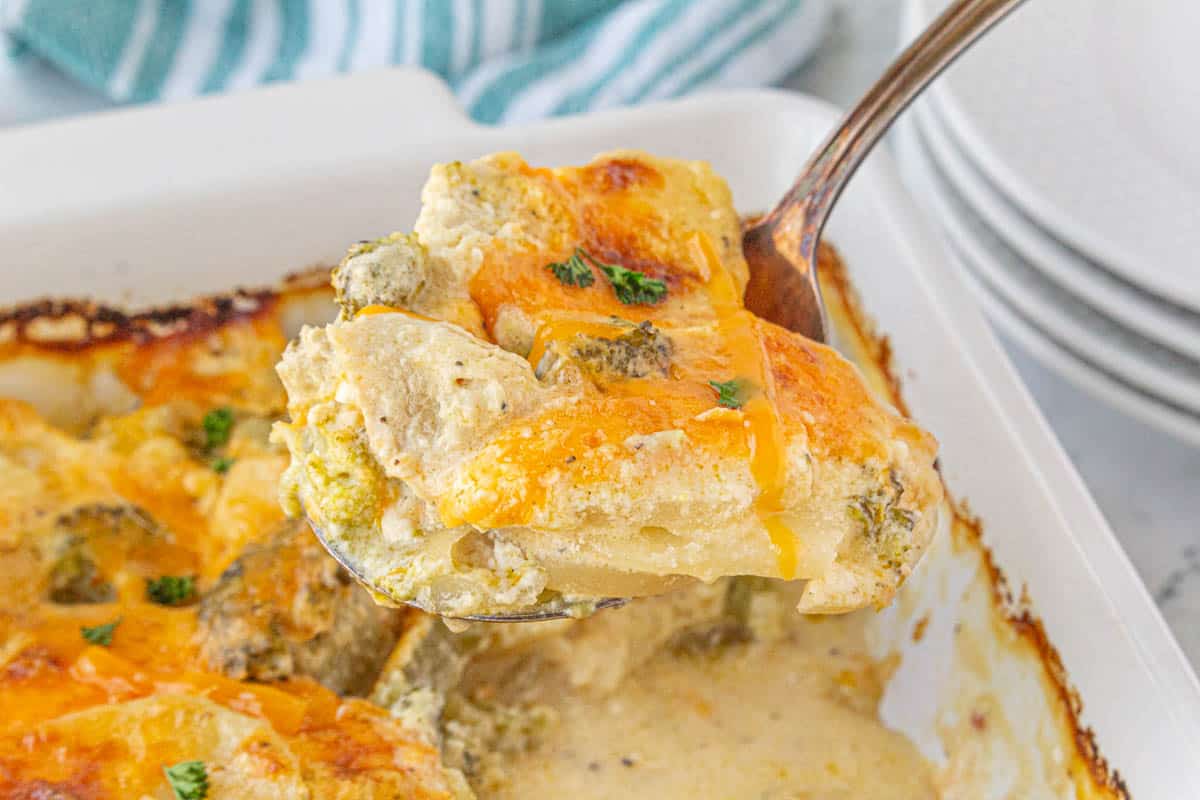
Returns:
(508, 60)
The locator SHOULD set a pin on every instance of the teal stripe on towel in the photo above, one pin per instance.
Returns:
(733, 51)
(692, 50)
(505, 89)
(558, 18)
(523, 19)
(17, 51)
(160, 53)
(476, 54)
(293, 40)
(353, 21)
(233, 46)
(87, 42)
(646, 35)
(398, 34)
(437, 35)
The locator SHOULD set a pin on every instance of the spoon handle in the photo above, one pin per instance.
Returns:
(798, 219)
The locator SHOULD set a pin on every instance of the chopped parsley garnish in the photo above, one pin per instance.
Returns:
(217, 425)
(222, 464)
(188, 779)
(574, 271)
(100, 634)
(732, 394)
(631, 287)
(171, 590)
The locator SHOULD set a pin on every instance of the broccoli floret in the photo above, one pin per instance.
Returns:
(642, 350)
(386, 272)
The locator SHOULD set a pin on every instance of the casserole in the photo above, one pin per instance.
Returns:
(145, 206)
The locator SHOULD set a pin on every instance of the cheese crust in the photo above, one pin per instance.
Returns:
(486, 425)
(254, 671)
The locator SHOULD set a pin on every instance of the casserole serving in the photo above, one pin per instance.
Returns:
(551, 391)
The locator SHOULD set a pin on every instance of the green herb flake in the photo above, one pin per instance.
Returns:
(222, 464)
(633, 288)
(574, 271)
(217, 425)
(732, 394)
(100, 634)
(188, 779)
(171, 590)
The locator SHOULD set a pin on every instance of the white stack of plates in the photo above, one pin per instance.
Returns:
(1061, 159)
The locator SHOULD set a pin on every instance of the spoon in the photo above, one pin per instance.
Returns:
(781, 246)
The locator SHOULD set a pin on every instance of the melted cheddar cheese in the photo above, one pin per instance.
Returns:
(127, 489)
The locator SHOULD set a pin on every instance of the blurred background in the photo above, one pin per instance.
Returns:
(1058, 161)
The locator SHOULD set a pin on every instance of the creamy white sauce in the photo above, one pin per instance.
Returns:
(790, 714)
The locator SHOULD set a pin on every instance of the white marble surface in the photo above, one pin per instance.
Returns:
(1146, 483)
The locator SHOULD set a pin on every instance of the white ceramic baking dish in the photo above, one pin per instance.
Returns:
(144, 206)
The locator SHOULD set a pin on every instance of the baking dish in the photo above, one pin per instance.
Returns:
(147, 206)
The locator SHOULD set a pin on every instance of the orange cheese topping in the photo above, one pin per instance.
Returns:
(616, 219)
(763, 428)
(371, 310)
(234, 364)
(198, 521)
(57, 671)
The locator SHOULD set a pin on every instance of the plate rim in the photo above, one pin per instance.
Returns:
(1114, 389)
(1106, 353)
(1079, 370)
(1084, 375)
(1071, 270)
(1077, 234)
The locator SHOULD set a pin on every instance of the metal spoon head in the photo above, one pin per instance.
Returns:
(557, 608)
(783, 284)
(781, 247)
